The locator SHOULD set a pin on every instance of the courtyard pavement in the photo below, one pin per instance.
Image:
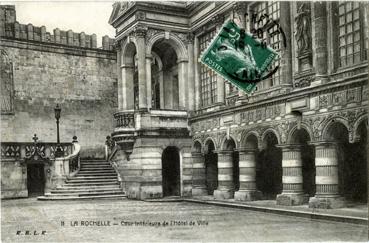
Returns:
(130, 220)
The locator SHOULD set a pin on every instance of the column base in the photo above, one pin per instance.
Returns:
(247, 195)
(201, 191)
(223, 194)
(292, 199)
(327, 202)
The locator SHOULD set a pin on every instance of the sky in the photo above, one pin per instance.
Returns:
(87, 16)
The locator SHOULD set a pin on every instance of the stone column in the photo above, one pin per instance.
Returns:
(197, 74)
(286, 50)
(320, 58)
(140, 33)
(219, 20)
(191, 76)
(225, 188)
(182, 82)
(247, 164)
(126, 93)
(326, 179)
(199, 174)
(148, 81)
(292, 193)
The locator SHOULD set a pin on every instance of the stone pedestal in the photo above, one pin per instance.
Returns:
(326, 179)
(225, 176)
(292, 193)
(247, 164)
(199, 176)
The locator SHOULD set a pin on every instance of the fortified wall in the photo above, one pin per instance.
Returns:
(40, 69)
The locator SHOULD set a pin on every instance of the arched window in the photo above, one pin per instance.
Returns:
(7, 86)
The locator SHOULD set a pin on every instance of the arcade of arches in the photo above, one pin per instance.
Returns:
(329, 174)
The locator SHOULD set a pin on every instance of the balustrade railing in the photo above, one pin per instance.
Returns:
(24, 150)
(124, 119)
(73, 160)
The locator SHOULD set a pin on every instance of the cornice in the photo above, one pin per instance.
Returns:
(295, 94)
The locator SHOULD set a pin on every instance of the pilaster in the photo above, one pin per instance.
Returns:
(140, 33)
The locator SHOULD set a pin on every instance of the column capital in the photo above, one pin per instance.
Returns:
(289, 147)
(223, 151)
(140, 31)
(196, 154)
(247, 150)
(127, 66)
(323, 143)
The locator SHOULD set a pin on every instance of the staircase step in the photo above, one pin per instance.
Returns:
(110, 196)
(84, 193)
(98, 174)
(88, 189)
(96, 170)
(98, 187)
(99, 177)
(94, 183)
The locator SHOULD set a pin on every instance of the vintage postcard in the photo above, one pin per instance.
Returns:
(184, 121)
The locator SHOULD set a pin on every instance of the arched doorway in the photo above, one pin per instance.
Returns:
(165, 82)
(301, 137)
(211, 167)
(171, 177)
(269, 168)
(352, 163)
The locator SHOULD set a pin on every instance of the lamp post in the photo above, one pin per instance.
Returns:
(59, 151)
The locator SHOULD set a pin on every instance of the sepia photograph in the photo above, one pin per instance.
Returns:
(184, 121)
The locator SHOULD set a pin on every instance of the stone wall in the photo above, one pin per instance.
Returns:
(44, 71)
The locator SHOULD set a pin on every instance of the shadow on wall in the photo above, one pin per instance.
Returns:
(97, 152)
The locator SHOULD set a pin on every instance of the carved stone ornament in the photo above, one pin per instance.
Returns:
(140, 31)
(303, 28)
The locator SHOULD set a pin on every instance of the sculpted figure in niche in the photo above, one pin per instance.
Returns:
(303, 26)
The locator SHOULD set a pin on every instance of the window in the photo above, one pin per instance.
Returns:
(352, 38)
(269, 36)
(208, 77)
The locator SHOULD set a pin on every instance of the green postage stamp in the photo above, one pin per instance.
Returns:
(239, 57)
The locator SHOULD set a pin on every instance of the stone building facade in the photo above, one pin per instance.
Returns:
(183, 130)
(40, 69)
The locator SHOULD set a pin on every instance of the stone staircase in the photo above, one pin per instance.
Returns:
(96, 179)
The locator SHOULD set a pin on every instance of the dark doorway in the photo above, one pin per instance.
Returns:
(35, 180)
(211, 163)
(269, 168)
(171, 172)
(354, 168)
(301, 137)
(236, 171)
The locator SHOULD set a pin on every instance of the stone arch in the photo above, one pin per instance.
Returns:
(175, 42)
(129, 48)
(293, 131)
(197, 146)
(331, 122)
(206, 144)
(265, 133)
(156, 56)
(358, 122)
(226, 142)
(250, 139)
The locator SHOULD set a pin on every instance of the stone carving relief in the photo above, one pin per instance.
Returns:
(303, 28)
